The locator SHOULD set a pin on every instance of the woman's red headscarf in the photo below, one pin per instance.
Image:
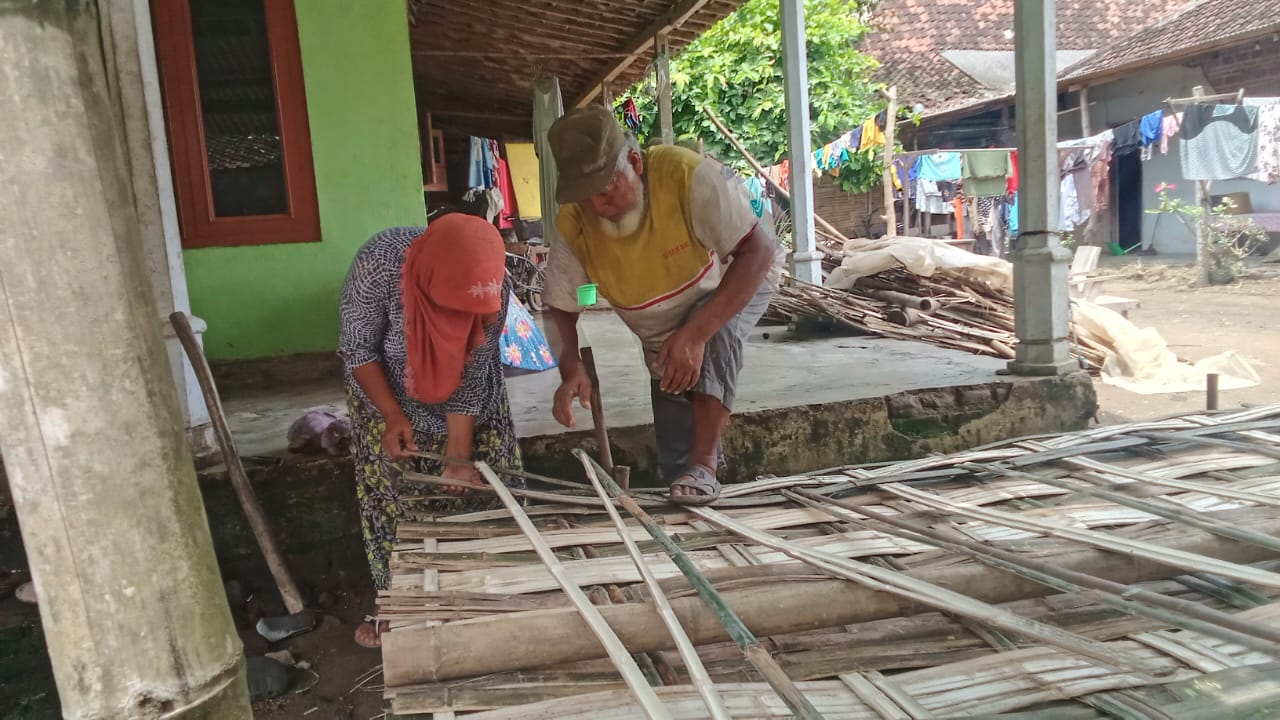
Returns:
(452, 279)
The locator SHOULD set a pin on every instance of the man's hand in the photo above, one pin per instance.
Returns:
(397, 439)
(464, 474)
(680, 360)
(576, 385)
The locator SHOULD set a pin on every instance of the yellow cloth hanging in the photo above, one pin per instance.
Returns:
(872, 135)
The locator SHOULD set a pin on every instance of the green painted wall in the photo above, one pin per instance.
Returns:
(282, 299)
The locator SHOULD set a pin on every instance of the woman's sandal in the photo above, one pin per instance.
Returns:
(700, 478)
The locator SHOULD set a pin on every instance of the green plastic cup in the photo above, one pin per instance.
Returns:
(587, 294)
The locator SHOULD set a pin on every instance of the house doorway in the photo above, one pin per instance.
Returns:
(1128, 185)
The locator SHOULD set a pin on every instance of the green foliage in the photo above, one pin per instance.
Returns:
(735, 68)
(1229, 238)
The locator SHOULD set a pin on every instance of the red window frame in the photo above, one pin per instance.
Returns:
(175, 53)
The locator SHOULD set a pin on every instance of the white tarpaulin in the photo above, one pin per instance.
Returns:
(922, 256)
(1139, 360)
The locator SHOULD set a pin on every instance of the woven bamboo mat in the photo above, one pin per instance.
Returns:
(1135, 491)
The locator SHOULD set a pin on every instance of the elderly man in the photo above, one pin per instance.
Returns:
(673, 244)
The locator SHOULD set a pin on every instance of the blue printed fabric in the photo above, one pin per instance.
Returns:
(755, 186)
(522, 344)
(939, 167)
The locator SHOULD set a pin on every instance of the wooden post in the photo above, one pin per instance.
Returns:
(1202, 232)
(890, 126)
(136, 621)
(662, 73)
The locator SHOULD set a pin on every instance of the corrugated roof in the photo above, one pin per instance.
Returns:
(1193, 29)
(913, 35)
(474, 61)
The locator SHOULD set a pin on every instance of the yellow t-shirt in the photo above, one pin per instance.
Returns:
(697, 213)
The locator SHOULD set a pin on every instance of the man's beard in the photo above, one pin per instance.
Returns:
(625, 225)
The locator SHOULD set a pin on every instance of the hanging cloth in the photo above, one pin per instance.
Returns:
(1219, 142)
(1268, 143)
(940, 166)
(522, 344)
(1151, 126)
(986, 173)
(872, 135)
(1128, 137)
(1168, 128)
(508, 190)
(548, 106)
(1012, 185)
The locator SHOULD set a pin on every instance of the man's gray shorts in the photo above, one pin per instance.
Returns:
(721, 363)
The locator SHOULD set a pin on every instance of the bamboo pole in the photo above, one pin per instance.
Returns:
(100, 470)
(688, 653)
(249, 504)
(751, 160)
(755, 653)
(940, 598)
(457, 650)
(1169, 556)
(626, 665)
(1126, 598)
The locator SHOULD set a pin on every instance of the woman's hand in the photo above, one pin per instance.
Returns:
(397, 439)
(575, 384)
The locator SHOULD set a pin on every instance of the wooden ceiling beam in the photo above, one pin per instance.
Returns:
(674, 17)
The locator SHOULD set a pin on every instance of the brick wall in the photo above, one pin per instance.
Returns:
(854, 214)
(1253, 66)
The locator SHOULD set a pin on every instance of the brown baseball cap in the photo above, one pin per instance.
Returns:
(585, 143)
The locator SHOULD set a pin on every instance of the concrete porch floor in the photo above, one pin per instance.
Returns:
(803, 403)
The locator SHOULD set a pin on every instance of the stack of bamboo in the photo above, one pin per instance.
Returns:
(947, 309)
(1092, 566)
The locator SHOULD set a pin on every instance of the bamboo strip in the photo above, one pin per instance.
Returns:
(1181, 613)
(1154, 508)
(697, 672)
(1168, 556)
(622, 659)
(751, 647)
(928, 594)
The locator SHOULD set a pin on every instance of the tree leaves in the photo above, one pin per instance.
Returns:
(736, 69)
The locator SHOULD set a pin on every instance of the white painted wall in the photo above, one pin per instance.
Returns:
(1121, 101)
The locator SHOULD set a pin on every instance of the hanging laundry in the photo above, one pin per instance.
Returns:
(1151, 126)
(1268, 143)
(855, 138)
(1013, 217)
(755, 188)
(1068, 205)
(872, 135)
(1100, 172)
(950, 190)
(784, 175)
(630, 115)
(1013, 171)
(939, 166)
(1168, 128)
(1075, 162)
(1128, 137)
(508, 190)
(881, 118)
(929, 197)
(1219, 142)
(986, 173)
(481, 166)
(522, 344)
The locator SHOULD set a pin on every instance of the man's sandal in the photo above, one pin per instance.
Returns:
(699, 478)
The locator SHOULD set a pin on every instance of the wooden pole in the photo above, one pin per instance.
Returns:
(1202, 234)
(253, 512)
(457, 650)
(135, 617)
(662, 73)
(755, 164)
(597, 410)
(890, 127)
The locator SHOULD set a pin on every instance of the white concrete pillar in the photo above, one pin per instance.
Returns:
(806, 261)
(1040, 263)
(135, 87)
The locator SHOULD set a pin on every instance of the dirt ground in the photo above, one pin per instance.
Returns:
(1197, 323)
